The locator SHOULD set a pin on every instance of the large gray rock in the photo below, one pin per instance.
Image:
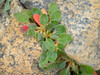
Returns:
(81, 17)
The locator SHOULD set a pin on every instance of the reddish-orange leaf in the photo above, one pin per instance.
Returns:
(95, 73)
(36, 17)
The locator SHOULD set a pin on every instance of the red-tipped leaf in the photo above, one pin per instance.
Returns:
(24, 28)
(36, 18)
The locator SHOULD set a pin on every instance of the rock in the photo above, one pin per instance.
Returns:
(1, 13)
(19, 54)
(84, 26)
(77, 15)
(81, 17)
(15, 7)
(29, 4)
(4, 20)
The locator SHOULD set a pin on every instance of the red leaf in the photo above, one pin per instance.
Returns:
(24, 28)
(36, 17)
(95, 73)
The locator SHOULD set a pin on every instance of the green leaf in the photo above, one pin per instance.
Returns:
(49, 27)
(24, 15)
(40, 37)
(42, 57)
(31, 32)
(61, 46)
(86, 70)
(65, 72)
(51, 56)
(7, 6)
(43, 63)
(53, 36)
(75, 68)
(55, 16)
(43, 47)
(50, 45)
(28, 13)
(36, 36)
(55, 23)
(43, 19)
(32, 25)
(60, 52)
(1, 1)
(52, 7)
(21, 17)
(61, 64)
(50, 66)
(64, 38)
(36, 11)
(43, 60)
(60, 29)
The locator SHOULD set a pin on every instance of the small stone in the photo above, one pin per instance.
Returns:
(1, 54)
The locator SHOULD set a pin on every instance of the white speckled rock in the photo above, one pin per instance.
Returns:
(84, 25)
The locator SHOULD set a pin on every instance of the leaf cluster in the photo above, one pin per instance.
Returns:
(53, 39)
